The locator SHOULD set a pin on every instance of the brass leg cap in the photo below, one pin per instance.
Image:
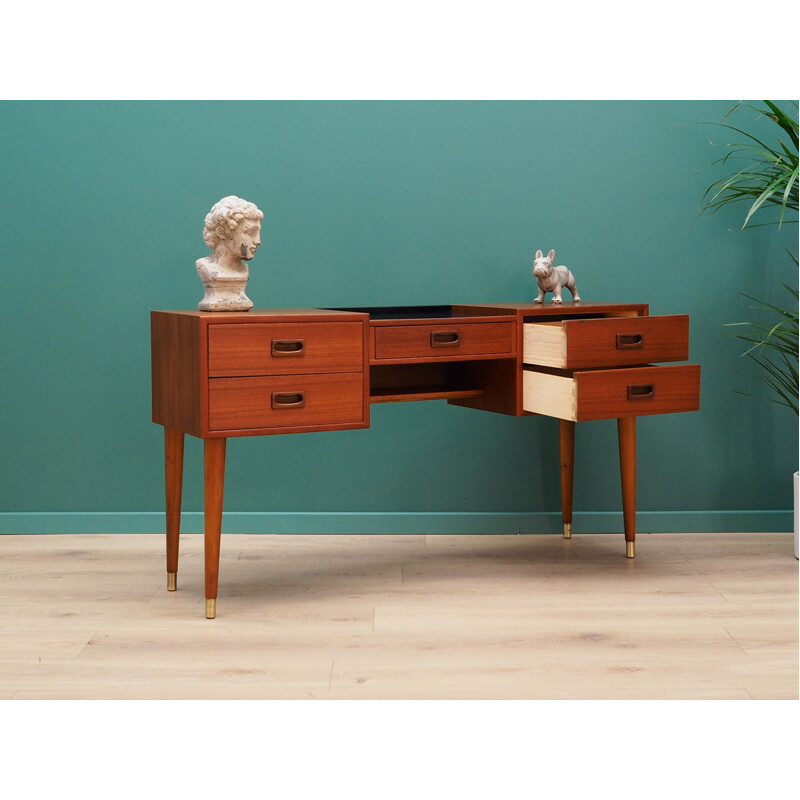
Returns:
(172, 581)
(630, 549)
(211, 608)
(567, 530)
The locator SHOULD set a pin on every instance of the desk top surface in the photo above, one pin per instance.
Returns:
(415, 312)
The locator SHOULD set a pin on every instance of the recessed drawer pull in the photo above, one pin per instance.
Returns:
(282, 400)
(642, 391)
(288, 347)
(445, 339)
(629, 341)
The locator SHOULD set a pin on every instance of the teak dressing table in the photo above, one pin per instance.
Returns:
(220, 375)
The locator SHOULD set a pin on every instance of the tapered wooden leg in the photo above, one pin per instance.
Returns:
(626, 428)
(566, 437)
(213, 485)
(173, 470)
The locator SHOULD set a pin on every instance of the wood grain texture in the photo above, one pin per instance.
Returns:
(413, 341)
(180, 362)
(611, 342)
(533, 311)
(247, 403)
(603, 394)
(177, 372)
(566, 447)
(501, 386)
(694, 616)
(173, 479)
(213, 492)
(626, 435)
(611, 393)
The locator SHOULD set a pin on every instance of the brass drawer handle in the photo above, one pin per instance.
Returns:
(642, 391)
(629, 341)
(288, 347)
(445, 339)
(281, 400)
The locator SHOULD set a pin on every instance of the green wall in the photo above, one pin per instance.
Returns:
(372, 203)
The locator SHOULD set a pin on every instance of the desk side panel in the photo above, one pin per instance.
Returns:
(500, 386)
(177, 378)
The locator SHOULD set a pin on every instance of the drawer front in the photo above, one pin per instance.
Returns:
(443, 340)
(610, 342)
(285, 401)
(612, 393)
(284, 348)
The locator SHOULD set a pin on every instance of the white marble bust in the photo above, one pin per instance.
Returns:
(233, 232)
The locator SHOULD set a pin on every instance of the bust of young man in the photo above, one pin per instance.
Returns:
(233, 232)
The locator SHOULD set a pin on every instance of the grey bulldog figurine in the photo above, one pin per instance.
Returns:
(552, 279)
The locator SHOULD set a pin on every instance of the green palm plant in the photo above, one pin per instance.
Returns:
(766, 176)
(769, 172)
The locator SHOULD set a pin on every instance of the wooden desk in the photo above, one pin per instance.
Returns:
(221, 375)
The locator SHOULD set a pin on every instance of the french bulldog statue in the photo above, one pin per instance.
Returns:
(552, 279)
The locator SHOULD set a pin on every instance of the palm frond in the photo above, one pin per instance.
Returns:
(773, 347)
(769, 176)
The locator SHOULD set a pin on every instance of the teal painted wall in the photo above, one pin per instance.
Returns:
(371, 203)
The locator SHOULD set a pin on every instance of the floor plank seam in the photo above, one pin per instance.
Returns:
(719, 592)
(89, 641)
(154, 595)
(735, 640)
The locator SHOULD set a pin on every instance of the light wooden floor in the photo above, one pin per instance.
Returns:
(694, 616)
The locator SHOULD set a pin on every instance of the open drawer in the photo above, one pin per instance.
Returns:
(607, 342)
(611, 393)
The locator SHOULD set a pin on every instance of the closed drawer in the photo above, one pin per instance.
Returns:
(580, 343)
(285, 401)
(285, 348)
(611, 393)
(445, 340)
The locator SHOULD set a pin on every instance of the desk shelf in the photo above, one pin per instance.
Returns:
(396, 383)
(402, 394)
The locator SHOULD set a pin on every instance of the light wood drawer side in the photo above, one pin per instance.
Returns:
(614, 341)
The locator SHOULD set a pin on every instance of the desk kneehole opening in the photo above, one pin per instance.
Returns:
(285, 400)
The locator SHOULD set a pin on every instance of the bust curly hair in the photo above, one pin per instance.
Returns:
(225, 216)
